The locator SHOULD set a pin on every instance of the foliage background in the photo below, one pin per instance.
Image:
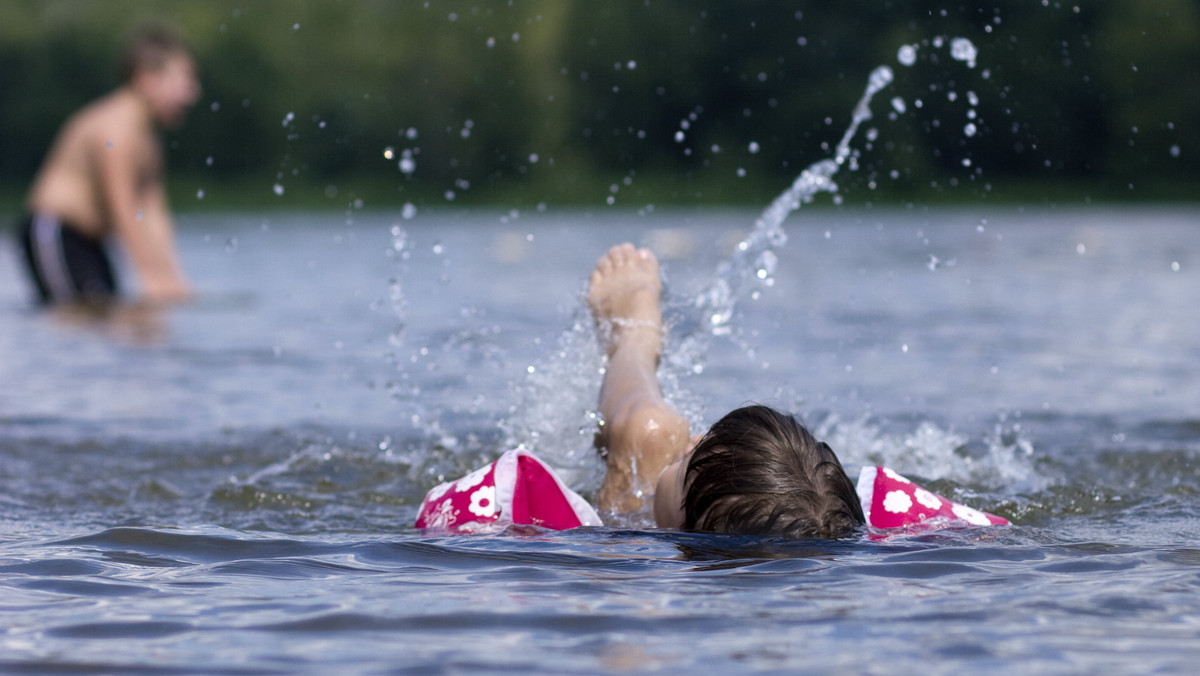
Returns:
(571, 101)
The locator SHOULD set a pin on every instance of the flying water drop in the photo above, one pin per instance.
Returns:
(962, 50)
(880, 78)
(407, 164)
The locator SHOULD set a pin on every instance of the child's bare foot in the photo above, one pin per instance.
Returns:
(624, 297)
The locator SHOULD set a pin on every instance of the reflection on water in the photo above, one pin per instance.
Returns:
(131, 323)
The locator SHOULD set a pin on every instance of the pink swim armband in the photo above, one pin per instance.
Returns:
(892, 501)
(520, 489)
(515, 489)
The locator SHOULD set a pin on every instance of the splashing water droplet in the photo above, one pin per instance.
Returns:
(907, 55)
(278, 189)
(880, 78)
(962, 50)
(970, 129)
(388, 153)
(898, 105)
(765, 265)
(200, 194)
(679, 137)
(972, 99)
(408, 211)
(287, 119)
(1174, 151)
(1174, 266)
(753, 147)
(407, 164)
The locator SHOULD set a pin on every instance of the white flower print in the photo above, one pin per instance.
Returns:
(927, 499)
(895, 477)
(483, 502)
(971, 516)
(442, 516)
(897, 502)
(471, 480)
(437, 492)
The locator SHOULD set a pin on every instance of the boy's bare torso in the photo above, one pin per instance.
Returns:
(71, 184)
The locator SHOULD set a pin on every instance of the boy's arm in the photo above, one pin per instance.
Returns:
(143, 225)
(642, 432)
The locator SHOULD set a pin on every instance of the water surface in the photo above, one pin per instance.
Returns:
(230, 486)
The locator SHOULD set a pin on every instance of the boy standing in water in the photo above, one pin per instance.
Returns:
(756, 471)
(104, 176)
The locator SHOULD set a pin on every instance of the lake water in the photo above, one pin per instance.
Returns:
(230, 486)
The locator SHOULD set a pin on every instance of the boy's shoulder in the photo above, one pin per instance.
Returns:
(110, 118)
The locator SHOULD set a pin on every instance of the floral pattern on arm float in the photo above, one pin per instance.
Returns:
(516, 489)
(890, 500)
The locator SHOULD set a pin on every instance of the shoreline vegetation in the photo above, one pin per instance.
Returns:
(313, 105)
(200, 194)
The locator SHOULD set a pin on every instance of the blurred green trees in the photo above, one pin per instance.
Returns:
(560, 100)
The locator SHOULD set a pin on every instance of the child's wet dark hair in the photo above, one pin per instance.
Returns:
(760, 472)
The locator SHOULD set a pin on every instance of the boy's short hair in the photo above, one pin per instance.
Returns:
(148, 48)
(760, 472)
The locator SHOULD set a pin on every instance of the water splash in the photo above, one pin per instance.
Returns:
(555, 411)
(963, 50)
(1004, 458)
(713, 309)
(555, 414)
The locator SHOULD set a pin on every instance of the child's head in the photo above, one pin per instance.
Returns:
(760, 472)
(157, 64)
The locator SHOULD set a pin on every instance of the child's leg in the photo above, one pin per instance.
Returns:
(642, 432)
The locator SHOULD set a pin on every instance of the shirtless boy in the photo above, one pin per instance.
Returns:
(756, 471)
(104, 176)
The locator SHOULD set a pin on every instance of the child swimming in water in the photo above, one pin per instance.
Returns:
(756, 471)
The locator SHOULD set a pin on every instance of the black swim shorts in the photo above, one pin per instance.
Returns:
(66, 266)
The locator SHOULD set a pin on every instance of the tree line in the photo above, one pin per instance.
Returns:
(636, 100)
